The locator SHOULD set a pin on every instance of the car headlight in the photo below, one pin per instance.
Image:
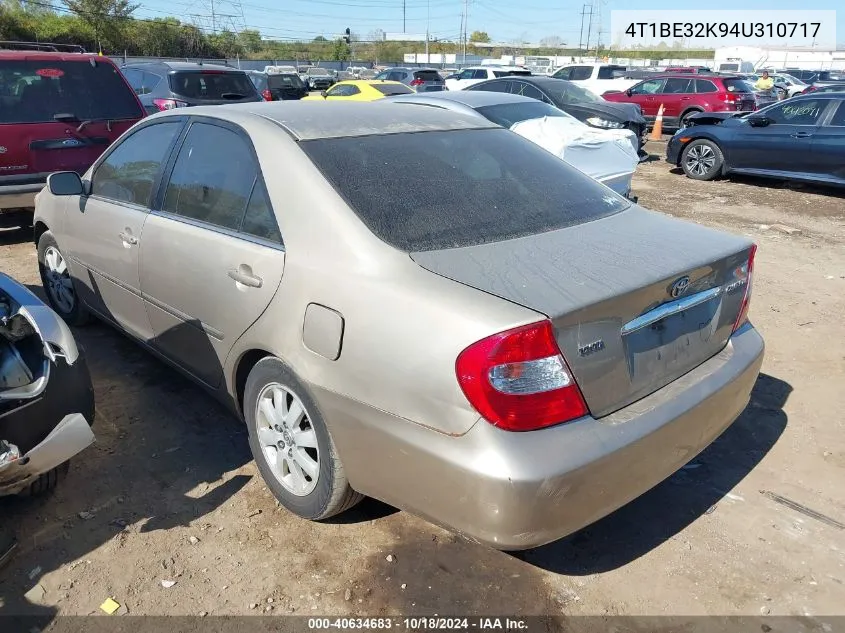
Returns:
(598, 122)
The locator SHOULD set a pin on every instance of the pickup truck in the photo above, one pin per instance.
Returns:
(597, 78)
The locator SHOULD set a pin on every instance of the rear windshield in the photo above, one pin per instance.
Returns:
(427, 75)
(283, 81)
(737, 85)
(511, 73)
(211, 84)
(36, 91)
(508, 114)
(393, 89)
(492, 185)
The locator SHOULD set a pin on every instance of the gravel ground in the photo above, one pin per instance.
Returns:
(174, 496)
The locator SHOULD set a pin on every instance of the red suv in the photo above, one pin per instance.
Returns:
(58, 112)
(683, 95)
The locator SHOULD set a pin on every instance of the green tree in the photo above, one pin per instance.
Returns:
(319, 38)
(479, 36)
(106, 18)
(340, 50)
(250, 40)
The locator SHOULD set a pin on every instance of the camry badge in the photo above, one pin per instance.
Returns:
(679, 287)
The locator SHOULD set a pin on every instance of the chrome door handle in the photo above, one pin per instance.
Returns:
(802, 135)
(126, 237)
(247, 279)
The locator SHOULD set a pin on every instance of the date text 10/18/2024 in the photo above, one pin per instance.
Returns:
(421, 623)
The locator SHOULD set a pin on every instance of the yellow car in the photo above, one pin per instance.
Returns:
(361, 90)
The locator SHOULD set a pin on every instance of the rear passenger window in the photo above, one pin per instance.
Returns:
(839, 118)
(580, 73)
(675, 85)
(526, 90)
(492, 86)
(702, 86)
(128, 173)
(259, 220)
(208, 184)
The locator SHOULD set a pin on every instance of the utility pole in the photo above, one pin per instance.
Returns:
(427, 27)
(403, 16)
(581, 36)
(589, 28)
(213, 19)
(466, 19)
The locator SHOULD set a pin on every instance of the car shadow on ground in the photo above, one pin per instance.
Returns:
(772, 183)
(17, 235)
(165, 455)
(660, 514)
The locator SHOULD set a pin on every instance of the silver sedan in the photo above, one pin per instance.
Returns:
(411, 304)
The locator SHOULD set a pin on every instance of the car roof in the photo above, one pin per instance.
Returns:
(184, 66)
(53, 56)
(306, 121)
(472, 98)
(368, 82)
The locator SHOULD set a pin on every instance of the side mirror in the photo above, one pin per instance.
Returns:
(65, 183)
(629, 92)
(758, 121)
(324, 94)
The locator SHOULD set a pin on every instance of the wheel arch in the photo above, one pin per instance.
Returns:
(39, 229)
(246, 362)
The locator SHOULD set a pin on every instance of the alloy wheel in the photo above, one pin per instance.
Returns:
(59, 283)
(700, 160)
(287, 439)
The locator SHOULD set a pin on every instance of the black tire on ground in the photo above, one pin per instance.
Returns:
(332, 494)
(702, 160)
(682, 123)
(47, 481)
(78, 315)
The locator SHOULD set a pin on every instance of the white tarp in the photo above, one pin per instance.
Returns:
(609, 156)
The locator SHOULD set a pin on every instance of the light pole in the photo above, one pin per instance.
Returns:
(427, 27)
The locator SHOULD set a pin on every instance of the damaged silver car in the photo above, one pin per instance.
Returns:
(46, 397)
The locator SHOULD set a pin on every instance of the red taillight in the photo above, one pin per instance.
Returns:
(747, 270)
(730, 98)
(268, 96)
(808, 90)
(169, 104)
(518, 380)
(417, 82)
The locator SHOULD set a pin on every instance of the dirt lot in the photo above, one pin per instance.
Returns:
(170, 465)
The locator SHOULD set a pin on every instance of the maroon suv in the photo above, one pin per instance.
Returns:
(684, 94)
(58, 112)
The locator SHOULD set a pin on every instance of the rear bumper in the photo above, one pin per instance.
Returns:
(519, 490)
(19, 196)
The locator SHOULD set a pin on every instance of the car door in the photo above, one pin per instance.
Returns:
(645, 94)
(785, 144)
(212, 256)
(675, 96)
(103, 233)
(828, 145)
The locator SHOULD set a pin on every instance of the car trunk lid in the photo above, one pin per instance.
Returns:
(637, 299)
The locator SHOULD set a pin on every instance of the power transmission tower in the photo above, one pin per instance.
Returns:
(220, 15)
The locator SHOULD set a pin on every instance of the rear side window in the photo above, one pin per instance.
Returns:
(839, 117)
(427, 75)
(259, 220)
(580, 73)
(610, 72)
(35, 91)
(704, 86)
(208, 184)
(129, 171)
(493, 185)
(211, 84)
(492, 86)
(676, 85)
(393, 89)
(508, 114)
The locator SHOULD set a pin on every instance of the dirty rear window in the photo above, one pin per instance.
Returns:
(35, 91)
(392, 89)
(737, 85)
(490, 185)
(212, 84)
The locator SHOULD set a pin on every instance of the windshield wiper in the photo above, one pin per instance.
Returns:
(69, 117)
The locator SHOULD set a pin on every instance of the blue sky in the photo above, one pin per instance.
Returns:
(504, 20)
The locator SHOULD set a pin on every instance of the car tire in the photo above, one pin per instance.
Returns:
(702, 160)
(682, 121)
(272, 386)
(46, 481)
(66, 305)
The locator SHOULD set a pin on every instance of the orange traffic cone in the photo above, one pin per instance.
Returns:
(657, 130)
